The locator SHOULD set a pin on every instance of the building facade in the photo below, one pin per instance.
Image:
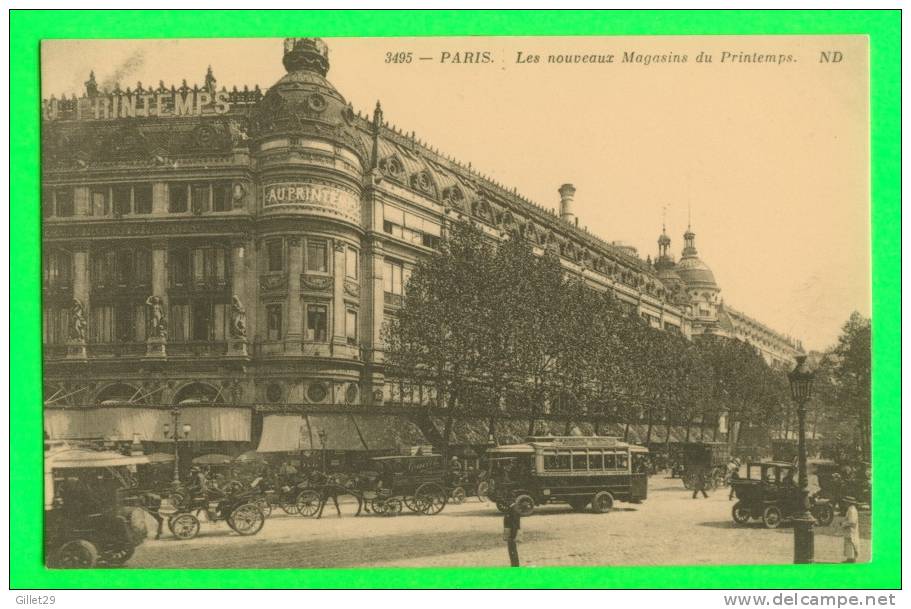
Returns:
(236, 252)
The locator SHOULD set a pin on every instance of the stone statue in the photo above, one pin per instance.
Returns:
(238, 318)
(77, 321)
(158, 324)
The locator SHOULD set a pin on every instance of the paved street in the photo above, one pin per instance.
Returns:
(669, 528)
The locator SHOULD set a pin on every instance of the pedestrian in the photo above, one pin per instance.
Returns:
(699, 485)
(734, 476)
(512, 525)
(850, 530)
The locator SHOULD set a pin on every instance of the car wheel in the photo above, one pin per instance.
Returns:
(602, 502)
(184, 526)
(740, 514)
(118, 557)
(824, 514)
(771, 517)
(525, 504)
(76, 554)
(502, 506)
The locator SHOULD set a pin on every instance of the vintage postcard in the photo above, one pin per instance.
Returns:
(456, 302)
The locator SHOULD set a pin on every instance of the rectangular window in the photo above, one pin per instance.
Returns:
(317, 323)
(595, 460)
(556, 461)
(64, 202)
(177, 198)
(179, 322)
(274, 255)
(430, 241)
(123, 269)
(317, 256)
(56, 325)
(610, 461)
(202, 320)
(622, 461)
(221, 196)
(351, 263)
(351, 326)
(123, 200)
(392, 276)
(123, 323)
(102, 324)
(180, 267)
(580, 462)
(200, 198)
(99, 201)
(142, 199)
(274, 321)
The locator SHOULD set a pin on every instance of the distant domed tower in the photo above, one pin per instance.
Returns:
(699, 279)
(666, 269)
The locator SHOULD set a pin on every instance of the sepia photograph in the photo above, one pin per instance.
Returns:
(507, 301)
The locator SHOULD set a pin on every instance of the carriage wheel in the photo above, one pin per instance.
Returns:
(377, 506)
(602, 502)
(308, 503)
(76, 554)
(411, 503)
(483, 490)
(288, 507)
(392, 507)
(431, 498)
(264, 506)
(771, 517)
(184, 526)
(457, 495)
(246, 519)
(740, 514)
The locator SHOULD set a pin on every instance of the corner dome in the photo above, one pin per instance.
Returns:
(695, 273)
(303, 101)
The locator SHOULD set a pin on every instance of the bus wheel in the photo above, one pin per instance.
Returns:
(602, 502)
(525, 504)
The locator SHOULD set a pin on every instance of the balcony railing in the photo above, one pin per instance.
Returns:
(196, 348)
(121, 349)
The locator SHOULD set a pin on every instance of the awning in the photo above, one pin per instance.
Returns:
(217, 423)
(292, 433)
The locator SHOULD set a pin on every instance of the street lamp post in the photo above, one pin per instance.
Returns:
(801, 381)
(172, 431)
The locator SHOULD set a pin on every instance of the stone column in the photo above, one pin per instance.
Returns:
(159, 198)
(238, 339)
(75, 348)
(156, 343)
(338, 296)
(375, 314)
(294, 331)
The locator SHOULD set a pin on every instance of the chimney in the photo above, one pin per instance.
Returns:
(567, 191)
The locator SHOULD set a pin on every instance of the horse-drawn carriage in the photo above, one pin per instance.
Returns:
(707, 459)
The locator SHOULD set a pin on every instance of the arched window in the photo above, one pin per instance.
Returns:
(202, 393)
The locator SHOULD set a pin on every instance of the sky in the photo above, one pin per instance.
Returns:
(769, 161)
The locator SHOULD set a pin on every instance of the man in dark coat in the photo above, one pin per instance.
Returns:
(699, 485)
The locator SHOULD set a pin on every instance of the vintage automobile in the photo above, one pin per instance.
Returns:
(709, 459)
(578, 470)
(770, 493)
(86, 523)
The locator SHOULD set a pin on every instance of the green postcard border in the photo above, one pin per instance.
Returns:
(27, 28)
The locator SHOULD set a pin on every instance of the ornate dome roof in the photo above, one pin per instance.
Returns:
(303, 101)
(691, 269)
